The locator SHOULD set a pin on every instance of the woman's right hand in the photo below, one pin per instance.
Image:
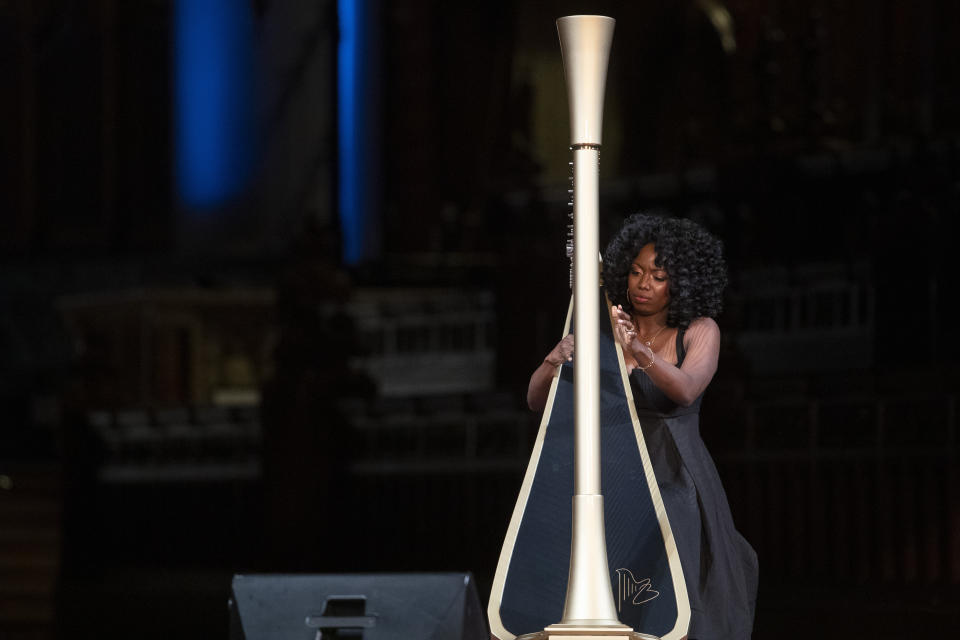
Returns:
(539, 388)
(561, 353)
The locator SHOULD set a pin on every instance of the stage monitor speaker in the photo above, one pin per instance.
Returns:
(403, 606)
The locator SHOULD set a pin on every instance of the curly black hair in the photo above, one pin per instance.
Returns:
(693, 259)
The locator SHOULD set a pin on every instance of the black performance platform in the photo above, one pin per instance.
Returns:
(531, 581)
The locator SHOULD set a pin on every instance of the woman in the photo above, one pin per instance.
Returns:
(665, 278)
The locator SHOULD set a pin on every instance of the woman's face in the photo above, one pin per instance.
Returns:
(648, 287)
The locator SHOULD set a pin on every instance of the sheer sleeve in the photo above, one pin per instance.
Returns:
(684, 385)
(702, 343)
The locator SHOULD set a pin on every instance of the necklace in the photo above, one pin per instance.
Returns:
(649, 342)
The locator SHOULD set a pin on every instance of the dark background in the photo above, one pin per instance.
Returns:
(190, 392)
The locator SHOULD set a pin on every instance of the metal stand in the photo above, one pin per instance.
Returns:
(585, 633)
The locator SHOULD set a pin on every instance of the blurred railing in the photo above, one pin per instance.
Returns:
(462, 434)
(851, 490)
(188, 444)
(847, 490)
(30, 543)
(426, 341)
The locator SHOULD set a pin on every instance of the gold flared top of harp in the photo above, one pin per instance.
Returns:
(585, 47)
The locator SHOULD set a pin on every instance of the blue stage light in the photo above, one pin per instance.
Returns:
(213, 52)
(353, 111)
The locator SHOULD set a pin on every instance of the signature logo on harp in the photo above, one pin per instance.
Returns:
(631, 590)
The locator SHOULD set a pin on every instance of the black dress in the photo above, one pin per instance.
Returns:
(719, 566)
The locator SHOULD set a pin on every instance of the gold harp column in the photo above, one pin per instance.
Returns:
(589, 611)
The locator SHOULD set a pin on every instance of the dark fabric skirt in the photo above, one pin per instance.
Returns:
(720, 567)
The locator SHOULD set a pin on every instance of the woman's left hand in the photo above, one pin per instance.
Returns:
(627, 337)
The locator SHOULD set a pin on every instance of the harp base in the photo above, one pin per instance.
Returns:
(583, 632)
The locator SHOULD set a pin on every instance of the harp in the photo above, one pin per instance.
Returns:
(557, 564)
